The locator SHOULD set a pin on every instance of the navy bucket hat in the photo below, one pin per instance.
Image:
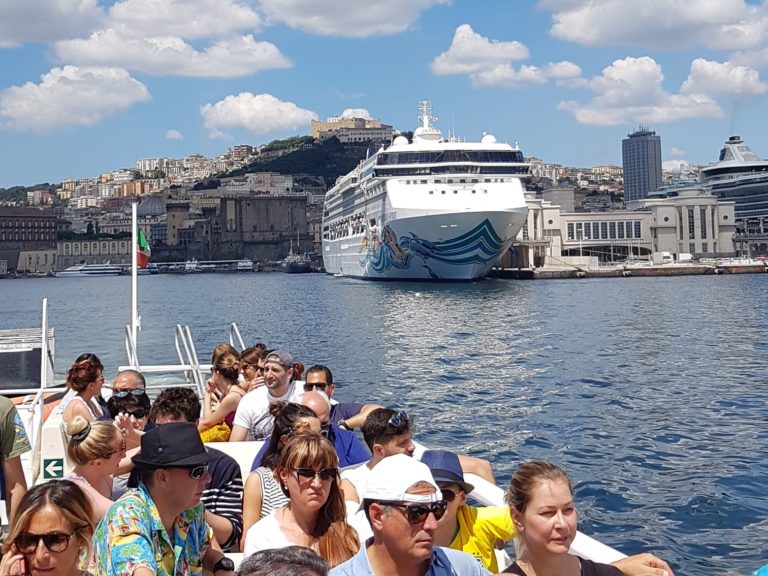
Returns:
(445, 467)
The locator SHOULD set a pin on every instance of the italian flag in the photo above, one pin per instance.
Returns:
(142, 250)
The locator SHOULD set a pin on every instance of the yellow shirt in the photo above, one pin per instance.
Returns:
(479, 529)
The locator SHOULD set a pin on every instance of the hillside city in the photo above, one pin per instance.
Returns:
(256, 202)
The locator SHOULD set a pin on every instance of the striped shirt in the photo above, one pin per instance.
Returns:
(224, 495)
(272, 496)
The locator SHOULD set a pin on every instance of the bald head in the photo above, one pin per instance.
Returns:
(129, 380)
(319, 404)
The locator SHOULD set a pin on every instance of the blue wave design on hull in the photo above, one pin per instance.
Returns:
(479, 245)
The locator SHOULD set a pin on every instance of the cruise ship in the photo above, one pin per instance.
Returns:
(430, 209)
(740, 175)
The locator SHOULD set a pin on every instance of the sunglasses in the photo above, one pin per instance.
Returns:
(399, 419)
(121, 449)
(26, 543)
(418, 513)
(324, 474)
(448, 495)
(138, 414)
(198, 472)
(319, 385)
(125, 393)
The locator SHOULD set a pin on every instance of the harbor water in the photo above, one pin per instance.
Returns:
(651, 392)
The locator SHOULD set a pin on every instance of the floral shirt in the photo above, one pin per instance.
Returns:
(131, 535)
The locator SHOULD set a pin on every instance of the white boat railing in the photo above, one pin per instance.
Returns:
(234, 337)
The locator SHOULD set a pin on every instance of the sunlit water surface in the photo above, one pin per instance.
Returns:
(650, 392)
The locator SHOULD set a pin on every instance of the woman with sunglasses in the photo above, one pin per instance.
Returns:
(252, 366)
(223, 393)
(262, 494)
(85, 379)
(315, 514)
(51, 532)
(130, 409)
(96, 449)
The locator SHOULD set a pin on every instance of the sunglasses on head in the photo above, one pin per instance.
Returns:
(399, 419)
(418, 513)
(319, 385)
(324, 474)
(26, 543)
(125, 393)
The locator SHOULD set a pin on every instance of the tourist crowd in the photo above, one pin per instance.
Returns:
(146, 496)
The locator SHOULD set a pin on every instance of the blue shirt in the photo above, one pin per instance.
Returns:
(444, 562)
(348, 447)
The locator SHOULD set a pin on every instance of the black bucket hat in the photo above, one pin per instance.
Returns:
(174, 445)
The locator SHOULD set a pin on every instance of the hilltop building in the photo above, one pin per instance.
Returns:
(351, 129)
(641, 157)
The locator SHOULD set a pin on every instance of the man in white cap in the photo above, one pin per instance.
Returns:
(403, 504)
(252, 419)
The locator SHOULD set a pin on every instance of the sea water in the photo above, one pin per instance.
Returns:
(650, 392)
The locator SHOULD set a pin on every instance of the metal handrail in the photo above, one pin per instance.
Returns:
(234, 336)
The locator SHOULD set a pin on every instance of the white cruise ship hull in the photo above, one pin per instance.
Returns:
(456, 246)
(88, 271)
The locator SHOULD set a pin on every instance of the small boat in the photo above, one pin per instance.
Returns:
(244, 265)
(151, 269)
(83, 270)
(296, 263)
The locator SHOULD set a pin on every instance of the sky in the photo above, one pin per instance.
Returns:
(91, 86)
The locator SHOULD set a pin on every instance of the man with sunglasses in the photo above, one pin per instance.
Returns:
(252, 419)
(403, 505)
(348, 415)
(128, 380)
(159, 528)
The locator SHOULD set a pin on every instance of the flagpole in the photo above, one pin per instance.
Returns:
(134, 279)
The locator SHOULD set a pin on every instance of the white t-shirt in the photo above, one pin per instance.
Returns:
(358, 477)
(253, 410)
(265, 534)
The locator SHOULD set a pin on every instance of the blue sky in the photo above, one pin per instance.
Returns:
(88, 86)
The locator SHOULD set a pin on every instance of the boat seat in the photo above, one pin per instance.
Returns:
(53, 443)
(242, 452)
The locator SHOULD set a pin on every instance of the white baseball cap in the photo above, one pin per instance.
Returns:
(391, 479)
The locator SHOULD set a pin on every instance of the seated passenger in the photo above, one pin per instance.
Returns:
(131, 412)
(96, 449)
(59, 514)
(291, 560)
(540, 498)
(223, 496)
(347, 415)
(223, 392)
(314, 517)
(252, 366)
(85, 379)
(253, 420)
(348, 447)
(262, 494)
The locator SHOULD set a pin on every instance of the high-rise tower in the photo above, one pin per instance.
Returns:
(641, 156)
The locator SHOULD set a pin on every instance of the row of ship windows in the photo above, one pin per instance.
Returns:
(459, 181)
(460, 169)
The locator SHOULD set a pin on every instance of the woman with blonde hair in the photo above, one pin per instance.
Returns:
(262, 494)
(96, 449)
(51, 532)
(314, 517)
(222, 395)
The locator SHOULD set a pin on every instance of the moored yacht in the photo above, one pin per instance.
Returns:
(430, 209)
(83, 270)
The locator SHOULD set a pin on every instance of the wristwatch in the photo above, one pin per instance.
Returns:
(225, 564)
(343, 424)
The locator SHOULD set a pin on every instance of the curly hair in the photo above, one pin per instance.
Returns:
(86, 369)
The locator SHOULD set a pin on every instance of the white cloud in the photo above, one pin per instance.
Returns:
(630, 90)
(183, 18)
(356, 113)
(258, 113)
(349, 18)
(489, 62)
(471, 53)
(677, 152)
(716, 24)
(26, 21)
(69, 96)
(174, 135)
(722, 78)
(752, 58)
(165, 56)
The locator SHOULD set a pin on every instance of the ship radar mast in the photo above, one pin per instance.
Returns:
(426, 132)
